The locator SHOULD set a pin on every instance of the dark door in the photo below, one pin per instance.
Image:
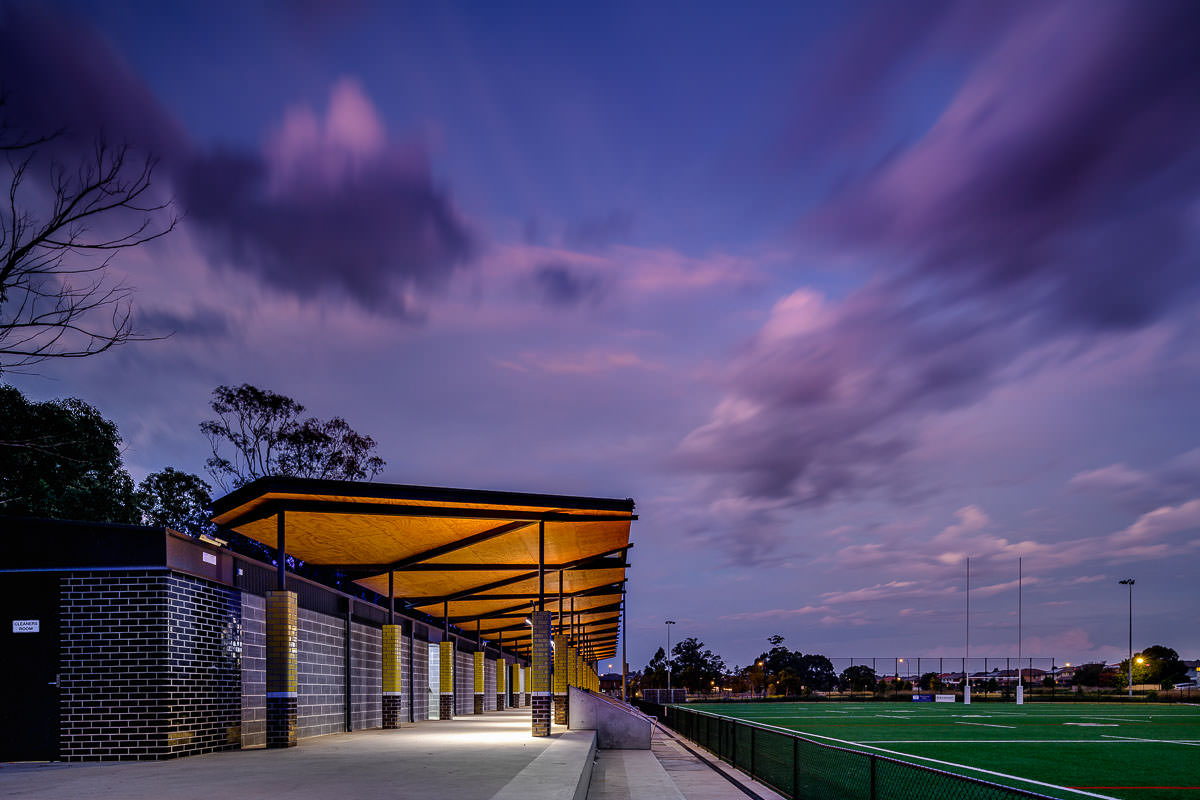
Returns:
(29, 666)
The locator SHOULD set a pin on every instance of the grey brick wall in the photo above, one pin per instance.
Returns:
(366, 675)
(489, 684)
(420, 676)
(254, 671)
(321, 684)
(464, 683)
(406, 676)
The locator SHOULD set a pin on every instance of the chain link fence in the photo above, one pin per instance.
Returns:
(803, 769)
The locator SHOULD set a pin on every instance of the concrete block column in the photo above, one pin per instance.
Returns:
(528, 684)
(561, 657)
(515, 676)
(392, 693)
(479, 666)
(446, 680)
(281, 668)
(501, 694)
(573, 673)
(540, 670)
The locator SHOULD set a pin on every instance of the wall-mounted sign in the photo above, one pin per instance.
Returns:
(27, 625)
(208, 558)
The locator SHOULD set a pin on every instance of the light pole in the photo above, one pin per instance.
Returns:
(1129, 582)
(670, 622)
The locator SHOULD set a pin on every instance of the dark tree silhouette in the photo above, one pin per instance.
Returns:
(258, 433)
(60, 227)
(61, 459)
(176, 499)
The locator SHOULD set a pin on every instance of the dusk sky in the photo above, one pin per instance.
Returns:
(839, 293)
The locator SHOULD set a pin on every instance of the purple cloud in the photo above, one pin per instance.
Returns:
(1055, 194)
(332, 203)
(1060, 175)
(559, 285)
(60, 75)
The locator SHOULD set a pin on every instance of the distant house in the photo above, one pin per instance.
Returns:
(610, 684)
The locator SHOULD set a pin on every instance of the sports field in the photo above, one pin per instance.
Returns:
(1074, 750)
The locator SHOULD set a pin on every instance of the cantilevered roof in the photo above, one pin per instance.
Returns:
(470, 554)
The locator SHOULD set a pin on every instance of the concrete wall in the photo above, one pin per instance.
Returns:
(617, 726)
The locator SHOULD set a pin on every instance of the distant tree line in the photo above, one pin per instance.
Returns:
(779, 671)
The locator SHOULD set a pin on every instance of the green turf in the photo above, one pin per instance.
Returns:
(1092, 747)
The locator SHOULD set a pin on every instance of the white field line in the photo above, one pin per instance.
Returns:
(903, 756)
(985, 725)
(1118, 719)
(1119, 740)
(1188, 742)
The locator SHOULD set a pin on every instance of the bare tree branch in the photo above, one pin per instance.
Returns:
(57, 242)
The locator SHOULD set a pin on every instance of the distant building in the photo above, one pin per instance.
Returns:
(610, 684)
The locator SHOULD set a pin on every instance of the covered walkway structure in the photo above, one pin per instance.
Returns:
(540, 576)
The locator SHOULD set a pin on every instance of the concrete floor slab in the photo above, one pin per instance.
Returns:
(468, 758)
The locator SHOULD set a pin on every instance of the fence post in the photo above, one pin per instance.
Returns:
(872, 792)
(795, 768)
(751, 751)
(733, 743)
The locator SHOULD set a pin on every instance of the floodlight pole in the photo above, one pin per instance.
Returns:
(1020, 677)
(967, 652)
(670, 622)
(1129, 582)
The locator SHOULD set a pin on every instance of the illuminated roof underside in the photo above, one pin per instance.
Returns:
(470, 554)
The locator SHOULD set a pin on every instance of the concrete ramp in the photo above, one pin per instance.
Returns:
(563, 771)
(617, 726)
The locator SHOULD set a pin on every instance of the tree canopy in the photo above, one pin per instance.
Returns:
(1160, 665)
(791, 672)
(696, 668)
(858, 678)
(177, 500)
(61, 459)
(654, 676)
(258, 432)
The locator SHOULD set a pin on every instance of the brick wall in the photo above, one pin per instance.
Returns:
(321, 684)
(420, 674)
(489, 684)
(464, 683)
(151, 666)
(254, 671)
(114, 660)
(204, 682)
(366, 676)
